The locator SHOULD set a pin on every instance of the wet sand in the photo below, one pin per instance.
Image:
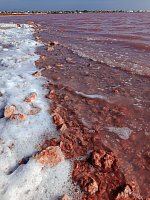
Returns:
(103, 123)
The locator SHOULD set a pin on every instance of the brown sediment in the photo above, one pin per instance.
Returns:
(106, 166)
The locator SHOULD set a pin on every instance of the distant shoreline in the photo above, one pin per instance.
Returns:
(67, 12)
(20, 14)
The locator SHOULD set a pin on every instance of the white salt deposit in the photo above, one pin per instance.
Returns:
(123, 133)
(19, 140)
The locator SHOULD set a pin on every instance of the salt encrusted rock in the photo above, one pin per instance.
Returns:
(51, 156)
(31, 97)
(89, 185)
(37, 74)
(9, 110)
(18, 117)
(65, 197)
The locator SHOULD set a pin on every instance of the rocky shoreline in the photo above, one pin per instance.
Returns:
(100, 166)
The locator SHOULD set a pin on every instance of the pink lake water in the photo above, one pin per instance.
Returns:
(119, 40)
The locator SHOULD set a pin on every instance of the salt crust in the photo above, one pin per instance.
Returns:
(19, 140)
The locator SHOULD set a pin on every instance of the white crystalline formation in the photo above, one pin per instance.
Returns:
(19, 140)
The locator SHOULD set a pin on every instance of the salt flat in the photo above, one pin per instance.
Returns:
(19, 138)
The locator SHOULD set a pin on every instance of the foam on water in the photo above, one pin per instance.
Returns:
(19, 140)
(92, 96)
(123, 133)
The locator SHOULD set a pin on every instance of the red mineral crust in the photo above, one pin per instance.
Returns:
(87, 99)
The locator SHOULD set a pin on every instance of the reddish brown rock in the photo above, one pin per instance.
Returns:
(63, 128)
(38, 39)
(102, 159)
(51, 156)
(9, 110)
(96, 158)
(50, 95)
(58, 120)
(108, 161)
(88, 184)
(31, 97)
(128, 194)
(37, 74)
(18, 117)
(66, 98)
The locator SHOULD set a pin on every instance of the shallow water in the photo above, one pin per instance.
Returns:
(119, 40)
